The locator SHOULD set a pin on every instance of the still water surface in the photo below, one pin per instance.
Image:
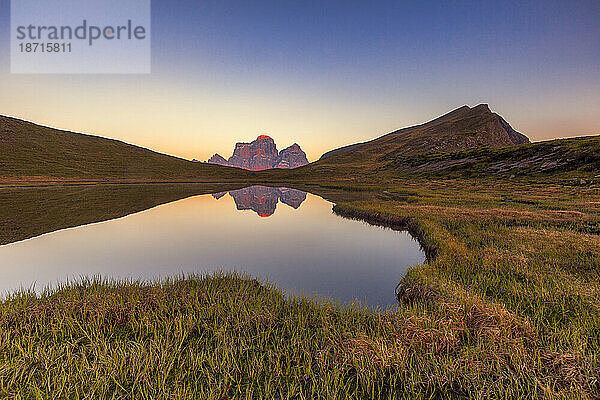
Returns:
(284, 236)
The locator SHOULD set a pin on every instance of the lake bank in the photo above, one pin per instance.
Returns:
(508, 308)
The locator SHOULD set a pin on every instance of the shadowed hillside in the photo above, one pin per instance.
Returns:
(28, 151)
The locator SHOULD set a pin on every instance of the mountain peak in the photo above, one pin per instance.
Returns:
(460, 129)
(483, 107)
(462, 112)
(291, 157)
(262, 154)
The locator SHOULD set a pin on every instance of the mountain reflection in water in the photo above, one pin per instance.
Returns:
(263, 199)
(151, 232)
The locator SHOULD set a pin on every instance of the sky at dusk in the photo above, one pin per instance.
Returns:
(328, 73)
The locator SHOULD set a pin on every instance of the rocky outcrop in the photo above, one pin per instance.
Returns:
(291, 157)
(262, 154)
(514, 136)
(217, 159)
(257, 155)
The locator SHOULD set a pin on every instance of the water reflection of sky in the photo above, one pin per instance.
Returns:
(301, 247)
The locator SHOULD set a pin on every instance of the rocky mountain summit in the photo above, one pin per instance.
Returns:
(217, 159)
(261, 154)
(257, 155)
(291, 157)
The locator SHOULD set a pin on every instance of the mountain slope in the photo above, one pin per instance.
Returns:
(466, 142)
(463, 128)
(559, 156)
(30, 151)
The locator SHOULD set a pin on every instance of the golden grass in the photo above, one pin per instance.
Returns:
(506, 306)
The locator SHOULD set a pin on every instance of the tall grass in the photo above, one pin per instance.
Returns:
(524, 279)
(508, 306)
(213, 337)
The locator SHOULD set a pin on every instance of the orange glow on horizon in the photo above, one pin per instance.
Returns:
(183, 121)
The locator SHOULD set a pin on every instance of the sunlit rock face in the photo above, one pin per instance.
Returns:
(257, 155)
(263, 200)
(262, 154)
(291, 157)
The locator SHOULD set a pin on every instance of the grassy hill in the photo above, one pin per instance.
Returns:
(463, 128)
(29, 151)
(466, 142)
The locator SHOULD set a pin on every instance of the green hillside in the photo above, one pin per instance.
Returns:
(28, 150)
